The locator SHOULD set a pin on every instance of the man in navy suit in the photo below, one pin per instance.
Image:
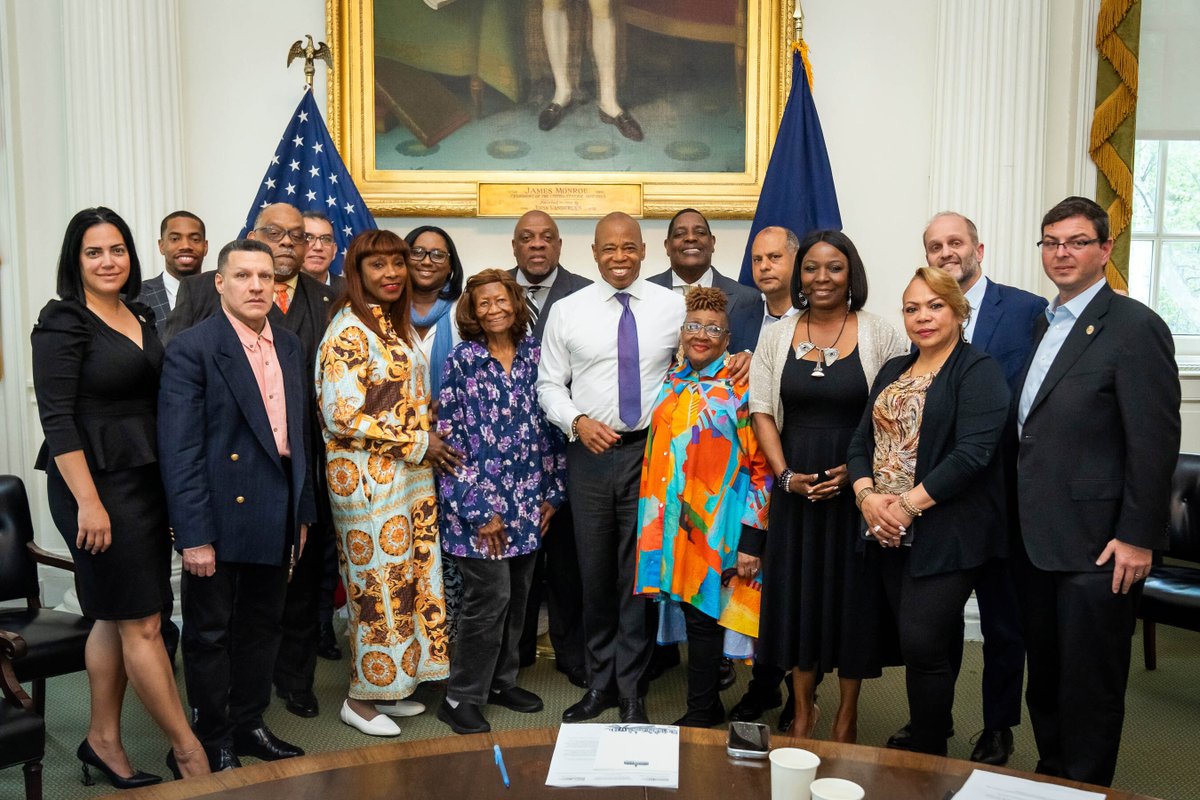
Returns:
(183, 244)
(301, 305)
(1098, 431)
(233, 436)
(322, 249)
(537, 248)
(1001, 324)
(690, 244)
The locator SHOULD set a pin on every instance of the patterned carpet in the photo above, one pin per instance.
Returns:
(1162, 724)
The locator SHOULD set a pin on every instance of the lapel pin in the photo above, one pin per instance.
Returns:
(1090, 330)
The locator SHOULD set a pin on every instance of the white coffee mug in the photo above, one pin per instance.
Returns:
(836, 789)
(792, 770)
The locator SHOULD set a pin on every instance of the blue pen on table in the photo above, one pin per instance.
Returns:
(500, 764)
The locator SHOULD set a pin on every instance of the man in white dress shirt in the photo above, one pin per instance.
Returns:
(605, 352)
(183, 244)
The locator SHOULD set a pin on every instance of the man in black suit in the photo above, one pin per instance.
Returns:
(690, 244)
(301, 305)
(1098, 437)
(537, 248)
(183, 244)
(233, 435)
(1001, 324)
(322, 249)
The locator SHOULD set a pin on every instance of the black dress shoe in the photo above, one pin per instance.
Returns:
(633, 710)
(302, 703)
(262, 744)
(702, 718)
(994, 746)
(327, 645)
(551, 115)
(727, 677)
(627, 125)
(88, 758)
(753, 706)
(576, 675)
(787, 716)
(593, 704)
(517, 699)
(903, 738)
(464, 719)
(221, 759)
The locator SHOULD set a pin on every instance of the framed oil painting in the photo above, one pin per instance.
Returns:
(658, 104)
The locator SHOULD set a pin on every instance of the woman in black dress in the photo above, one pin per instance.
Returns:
(808, 386)
(96, 362)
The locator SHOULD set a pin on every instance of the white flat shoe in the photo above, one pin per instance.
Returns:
(400, 708)
(379, 726)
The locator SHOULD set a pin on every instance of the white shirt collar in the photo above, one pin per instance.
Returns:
(975, 294)
(171, 284)
(705, 280)
(545, 283)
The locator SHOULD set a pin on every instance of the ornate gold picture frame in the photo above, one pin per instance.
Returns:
(438, 106)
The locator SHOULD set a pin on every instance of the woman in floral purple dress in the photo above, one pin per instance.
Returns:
(495, 510)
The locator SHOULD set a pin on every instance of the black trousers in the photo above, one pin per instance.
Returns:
(929, 616)
(231, 631)
(297, 660)
(1079, 636)
(556, 579)
(705, 639)
(1003, 644)
(489, 626)
(617, 625)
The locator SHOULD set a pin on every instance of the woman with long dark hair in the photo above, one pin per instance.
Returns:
(96, 364)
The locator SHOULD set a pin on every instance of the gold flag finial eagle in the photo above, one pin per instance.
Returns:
(310, 54)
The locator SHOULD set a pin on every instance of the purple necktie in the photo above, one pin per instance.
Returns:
(629, 370)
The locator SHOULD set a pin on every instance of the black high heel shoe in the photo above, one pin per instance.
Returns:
(88, 758)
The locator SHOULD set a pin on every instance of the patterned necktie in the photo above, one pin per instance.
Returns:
(531, 304)
(629, 372)
(281, 297)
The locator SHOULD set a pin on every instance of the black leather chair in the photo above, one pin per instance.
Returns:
(1172, 591)
(22, 731)
(50, 642)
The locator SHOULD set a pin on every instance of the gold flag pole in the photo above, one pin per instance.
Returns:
(310, 54)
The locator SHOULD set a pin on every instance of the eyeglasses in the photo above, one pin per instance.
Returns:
(324, 239)
(711, 331)
(275, 235)
(417, 254)
(1074, 245)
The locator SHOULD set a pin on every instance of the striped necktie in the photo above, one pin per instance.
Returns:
(531, 303)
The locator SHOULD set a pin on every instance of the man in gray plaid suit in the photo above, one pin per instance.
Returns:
(183, 244)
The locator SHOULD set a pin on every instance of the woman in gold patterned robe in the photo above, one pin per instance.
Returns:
(380, 452)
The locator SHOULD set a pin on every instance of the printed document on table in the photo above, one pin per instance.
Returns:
(984, 785)
(616, 755)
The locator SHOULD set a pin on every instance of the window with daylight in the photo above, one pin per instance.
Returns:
(1164, 259)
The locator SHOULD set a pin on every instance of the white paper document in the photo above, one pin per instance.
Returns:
(984, 785)
(615, 755)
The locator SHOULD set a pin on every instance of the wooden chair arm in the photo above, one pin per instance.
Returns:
(12, 646)
(44, 556)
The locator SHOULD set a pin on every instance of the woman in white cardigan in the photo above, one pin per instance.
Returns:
(822, 605)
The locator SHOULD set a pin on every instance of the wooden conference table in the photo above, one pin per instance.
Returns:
(456, 767)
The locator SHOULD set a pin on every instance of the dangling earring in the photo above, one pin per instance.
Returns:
(849, 297)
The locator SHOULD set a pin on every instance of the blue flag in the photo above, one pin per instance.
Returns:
(307, 172)
(797, 190)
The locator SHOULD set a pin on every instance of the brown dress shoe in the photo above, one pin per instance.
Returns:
(551, 115)
(627, 125)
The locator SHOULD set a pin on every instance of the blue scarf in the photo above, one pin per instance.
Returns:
(443, 341)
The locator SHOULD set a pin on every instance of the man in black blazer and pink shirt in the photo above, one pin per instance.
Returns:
(300, 305)
(233, 434)
(1001, 324)
(537, 247)
(1098, 438)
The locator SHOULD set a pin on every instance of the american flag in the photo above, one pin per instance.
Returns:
(307, 172)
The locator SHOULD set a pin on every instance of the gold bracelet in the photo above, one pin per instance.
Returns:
(862, 493)
(908, 507)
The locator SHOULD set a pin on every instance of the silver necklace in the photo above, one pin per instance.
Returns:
(825, 355)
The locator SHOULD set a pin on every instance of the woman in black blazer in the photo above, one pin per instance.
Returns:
(927, 477)
(96, 362)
